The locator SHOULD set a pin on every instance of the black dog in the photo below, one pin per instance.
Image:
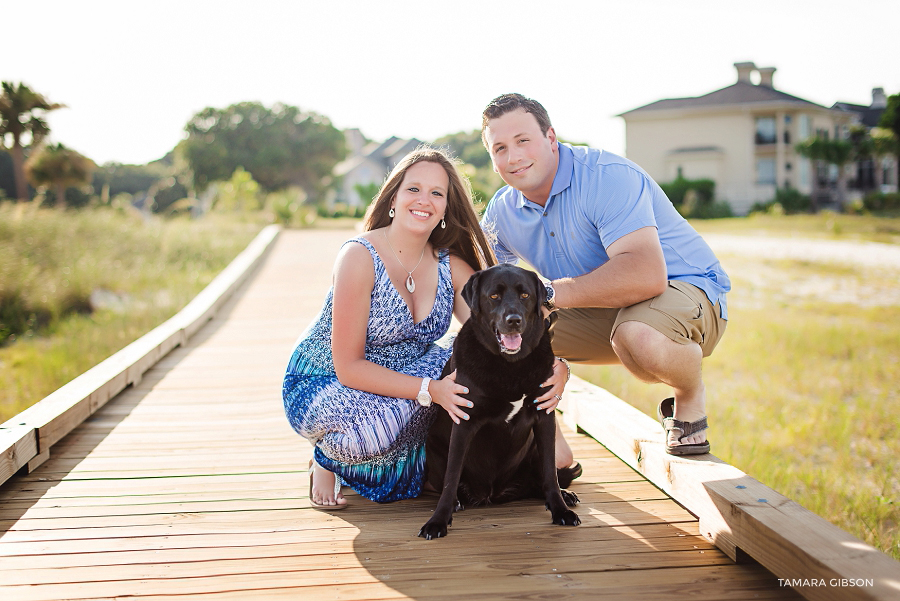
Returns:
(505, 451)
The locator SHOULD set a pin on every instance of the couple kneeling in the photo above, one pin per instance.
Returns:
(635, 283)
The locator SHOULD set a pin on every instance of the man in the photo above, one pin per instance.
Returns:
(633, 282)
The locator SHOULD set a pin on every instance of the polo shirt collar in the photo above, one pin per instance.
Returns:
(563, 171)
(561, 180)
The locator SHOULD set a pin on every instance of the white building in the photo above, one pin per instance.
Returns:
(368, 164)
(741, 136)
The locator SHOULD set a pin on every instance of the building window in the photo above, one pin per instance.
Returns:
(804, 172)
(765, 171)
(804, 127)
(765, 130)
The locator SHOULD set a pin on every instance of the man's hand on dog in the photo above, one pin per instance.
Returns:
(557, 383)
(445, 392)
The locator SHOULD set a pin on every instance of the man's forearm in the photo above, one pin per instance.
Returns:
(622, 281)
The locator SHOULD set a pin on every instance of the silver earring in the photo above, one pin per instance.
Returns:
(391, 213)
(443, 224)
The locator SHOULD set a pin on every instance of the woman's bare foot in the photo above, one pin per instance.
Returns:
(322, 487)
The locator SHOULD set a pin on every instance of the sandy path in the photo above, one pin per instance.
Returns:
(866, 254)
(865, 274)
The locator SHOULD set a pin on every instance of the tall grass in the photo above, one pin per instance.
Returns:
(804, 393)
(77, 286)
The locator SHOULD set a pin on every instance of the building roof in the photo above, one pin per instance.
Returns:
(735, 94)
(383, 154)
(868, 116)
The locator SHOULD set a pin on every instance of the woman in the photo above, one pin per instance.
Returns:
(352, 377)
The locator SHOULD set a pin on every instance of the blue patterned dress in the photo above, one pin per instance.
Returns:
(375, 444)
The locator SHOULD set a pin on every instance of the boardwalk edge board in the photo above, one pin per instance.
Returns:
(25, 439)
(739, 514)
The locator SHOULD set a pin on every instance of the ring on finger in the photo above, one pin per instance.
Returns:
(558, 398)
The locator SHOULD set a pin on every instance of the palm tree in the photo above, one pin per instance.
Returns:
(59, 167)
(21, 115)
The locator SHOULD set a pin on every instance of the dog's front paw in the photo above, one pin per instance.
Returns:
(566, 518)
(434, 529)
(570, 498)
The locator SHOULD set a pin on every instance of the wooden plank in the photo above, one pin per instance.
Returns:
(502, 581)
(18, 446)
(645, 534)
(503, 559)
(739, 514)
(307, 553)
(249, 501)
(296, 511)
(24, 505)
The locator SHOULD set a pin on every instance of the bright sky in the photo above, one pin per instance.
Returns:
(133, 73)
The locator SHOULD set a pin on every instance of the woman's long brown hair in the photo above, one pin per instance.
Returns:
(463, 235)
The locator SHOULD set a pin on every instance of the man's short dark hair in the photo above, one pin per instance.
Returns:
(507, 103)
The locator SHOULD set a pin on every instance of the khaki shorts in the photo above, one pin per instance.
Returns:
(682, 313)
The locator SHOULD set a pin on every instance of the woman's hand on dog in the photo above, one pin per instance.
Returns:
(445, 392)
(557, 383)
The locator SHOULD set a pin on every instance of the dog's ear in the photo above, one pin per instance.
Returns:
(540, 292)
(470, 292)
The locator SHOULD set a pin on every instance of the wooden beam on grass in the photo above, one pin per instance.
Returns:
(26, 439)
(739, 514)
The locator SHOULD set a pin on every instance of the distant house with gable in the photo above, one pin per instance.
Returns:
(873, 174)
(367, 164)
(741, 136)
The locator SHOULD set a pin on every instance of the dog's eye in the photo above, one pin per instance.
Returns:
(524, 295)
(495, 296)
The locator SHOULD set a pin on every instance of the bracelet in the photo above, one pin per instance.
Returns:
(568, 369)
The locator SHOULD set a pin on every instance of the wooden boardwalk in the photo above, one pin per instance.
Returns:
(191, 483)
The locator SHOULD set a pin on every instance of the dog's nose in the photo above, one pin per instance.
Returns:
(513, 320)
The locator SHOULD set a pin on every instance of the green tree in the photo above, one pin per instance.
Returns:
(467, 147)
(279, 147)
(22, 113)
(829, 152)
(60, 168)
(890, 120)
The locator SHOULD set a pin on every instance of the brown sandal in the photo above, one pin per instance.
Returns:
(337, 490)
(665, 412)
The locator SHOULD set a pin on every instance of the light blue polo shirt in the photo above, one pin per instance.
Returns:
(597, 197)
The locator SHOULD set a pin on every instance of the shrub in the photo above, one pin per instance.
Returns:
(882, 202)
(340, 209)
(695, 198)
(677, 191)
(790, 201)
(713, 210)
(290, 209)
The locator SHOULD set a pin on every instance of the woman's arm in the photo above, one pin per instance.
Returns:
(354, 279)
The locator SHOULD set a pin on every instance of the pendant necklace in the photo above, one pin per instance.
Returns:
(410, 283)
